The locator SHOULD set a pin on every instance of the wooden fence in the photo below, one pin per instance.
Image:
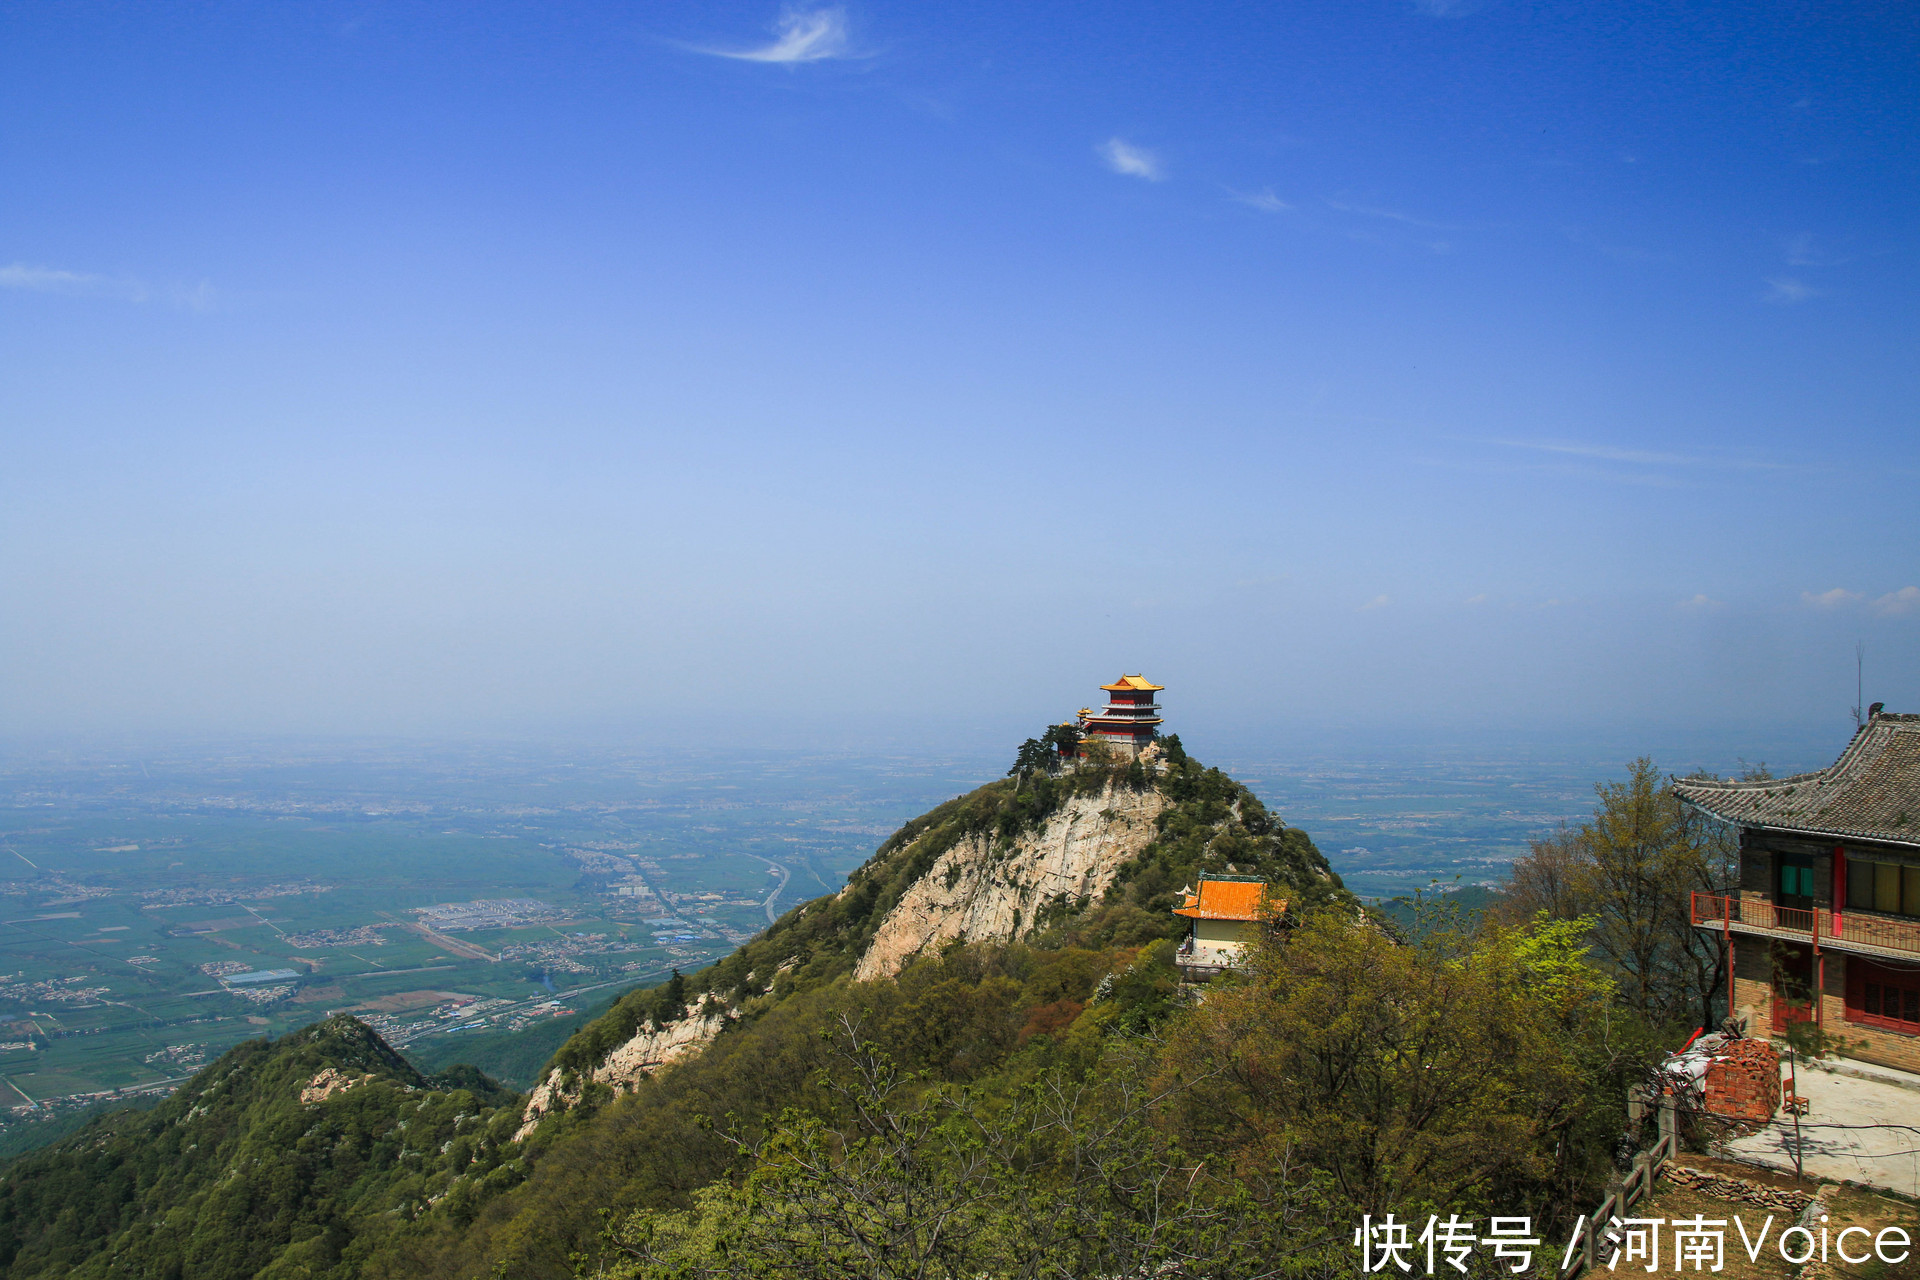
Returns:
(1636, 1186)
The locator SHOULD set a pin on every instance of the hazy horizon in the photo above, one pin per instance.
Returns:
(865, 376)
(976, 759)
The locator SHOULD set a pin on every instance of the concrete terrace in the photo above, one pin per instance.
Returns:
(1836, 1141)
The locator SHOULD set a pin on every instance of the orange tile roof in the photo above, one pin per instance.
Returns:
(1230, 900)
(1129, 684)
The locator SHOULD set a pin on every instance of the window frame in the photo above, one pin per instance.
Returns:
(1802, 868)
(1863, 886)
(1885, 980)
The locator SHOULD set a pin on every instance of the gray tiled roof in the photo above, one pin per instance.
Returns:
(1872, 792)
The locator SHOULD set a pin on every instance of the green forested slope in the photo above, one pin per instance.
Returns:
(235, 1176)
(971, 1015)
(1341, 1073)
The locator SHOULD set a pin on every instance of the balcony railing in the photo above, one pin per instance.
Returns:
(1717, 910)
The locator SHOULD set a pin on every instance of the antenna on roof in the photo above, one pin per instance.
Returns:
(1859, 683)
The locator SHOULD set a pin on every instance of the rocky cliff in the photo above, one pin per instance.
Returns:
(644, 1052)
(987, 888)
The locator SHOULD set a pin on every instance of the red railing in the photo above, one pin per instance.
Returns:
(1877, 931)
(1714, 909)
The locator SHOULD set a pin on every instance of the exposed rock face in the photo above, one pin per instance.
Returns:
(626, 1066)
(982, 890)
(329, 1081)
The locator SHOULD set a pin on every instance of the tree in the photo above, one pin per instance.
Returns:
(1455, 1073)
(1033, 757)
(1549, 878)
(1062, 739)
(1632, 870)
(1064, 1175)
(673, 1000)
(1812, 1041)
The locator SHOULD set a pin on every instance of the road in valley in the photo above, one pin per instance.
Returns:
(786, 874)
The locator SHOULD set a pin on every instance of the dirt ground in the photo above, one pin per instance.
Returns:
(1846, 1207)
(409, 1000)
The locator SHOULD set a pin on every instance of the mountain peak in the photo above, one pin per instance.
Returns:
(1088, 851)
(262, 1156)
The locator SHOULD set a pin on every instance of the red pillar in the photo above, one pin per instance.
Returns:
(1839, 888)
(1819, 967)
(1726, 934)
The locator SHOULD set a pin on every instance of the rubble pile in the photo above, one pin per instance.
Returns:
(1743, 1082)
(1728, 1076)
(1723, 1187)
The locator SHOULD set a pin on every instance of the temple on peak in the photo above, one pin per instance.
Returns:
(1131, 717)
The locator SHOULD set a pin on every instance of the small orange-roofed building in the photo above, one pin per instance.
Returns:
(1222, 915)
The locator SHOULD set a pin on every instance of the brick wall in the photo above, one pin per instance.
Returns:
(1753, 984)
(1753, 1001)
(1869, 1044)
(1876, 1044)
(1745, 1084)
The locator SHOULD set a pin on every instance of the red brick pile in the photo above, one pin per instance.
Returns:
(1743, 1081)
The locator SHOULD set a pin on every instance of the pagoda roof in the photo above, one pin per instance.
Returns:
(1129, 684)
(1872, 792)
(1230, 900)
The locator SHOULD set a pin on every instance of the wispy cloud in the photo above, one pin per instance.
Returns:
(1479, 599)
(199, 297)
(1702, 603)
(1378, 602)
(1787, 290)
(1618, 252)
(1890, 605)
(1416, 228)
(1135, 162)
(36, 279)
(1390, 215)
(1905, 600)
(800, 35)
(27, 277)
(1264, 200)
(1449, 8)
(1804, 251)
(1637, 457)
(1605, 452)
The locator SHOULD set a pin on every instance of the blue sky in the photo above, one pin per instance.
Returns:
(848, 373)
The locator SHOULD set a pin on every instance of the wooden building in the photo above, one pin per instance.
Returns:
(1221, 915)
(1130, 719)
(1825, 922)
